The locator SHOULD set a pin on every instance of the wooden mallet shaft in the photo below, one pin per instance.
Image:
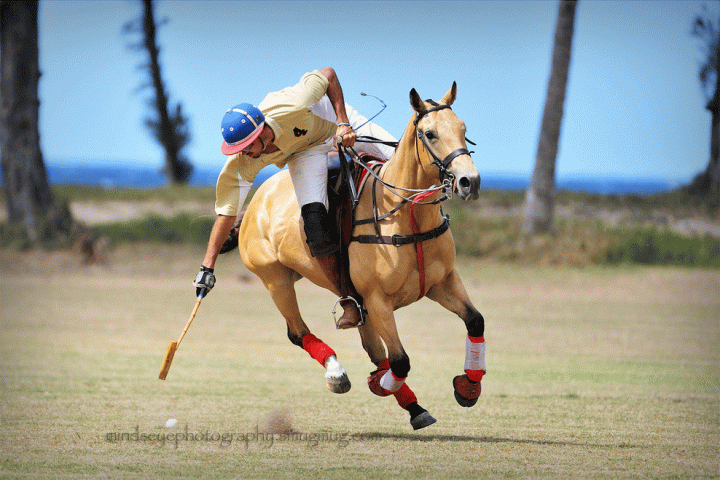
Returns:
(170, 353)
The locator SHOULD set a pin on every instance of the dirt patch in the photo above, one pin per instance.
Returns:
(92, 212)
(95, 213)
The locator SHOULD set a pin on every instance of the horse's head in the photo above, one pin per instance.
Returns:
(441, 134)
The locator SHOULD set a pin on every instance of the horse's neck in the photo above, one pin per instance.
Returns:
(404, 170)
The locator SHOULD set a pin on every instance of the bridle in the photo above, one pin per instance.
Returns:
(446, 178)
(444, 164)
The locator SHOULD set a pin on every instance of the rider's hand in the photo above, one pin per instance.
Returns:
(347, 135)
(204, 281)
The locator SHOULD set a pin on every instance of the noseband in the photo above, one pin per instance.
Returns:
(442, 165)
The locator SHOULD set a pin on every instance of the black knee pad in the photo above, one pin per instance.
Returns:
(317, 230)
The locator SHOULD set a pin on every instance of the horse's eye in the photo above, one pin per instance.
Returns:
(429, 135)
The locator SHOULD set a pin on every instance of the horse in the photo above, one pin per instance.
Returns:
(401, 252)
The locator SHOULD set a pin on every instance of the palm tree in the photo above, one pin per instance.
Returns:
(539, 207)
(30, 202)
(708, 182)
(169, 128)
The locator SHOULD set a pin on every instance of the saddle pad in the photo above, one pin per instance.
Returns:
(375, 165)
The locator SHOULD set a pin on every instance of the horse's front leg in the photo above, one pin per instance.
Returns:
(452, 295)
(405, 397)
(381, 320)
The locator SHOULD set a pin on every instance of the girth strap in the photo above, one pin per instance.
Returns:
(398, 240)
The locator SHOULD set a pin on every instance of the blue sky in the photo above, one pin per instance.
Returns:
(634, 107)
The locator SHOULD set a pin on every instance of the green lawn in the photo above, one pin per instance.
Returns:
(593, 373)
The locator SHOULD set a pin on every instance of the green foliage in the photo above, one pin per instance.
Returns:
(490, 235)
(14, 236)
(182, 228)
(54, 229)
(651, 246)
(477, 236)
(484, 238)
(582, 242)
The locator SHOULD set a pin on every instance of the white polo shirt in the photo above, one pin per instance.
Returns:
(296, 129)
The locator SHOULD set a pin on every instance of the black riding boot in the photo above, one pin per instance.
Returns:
(325, 249)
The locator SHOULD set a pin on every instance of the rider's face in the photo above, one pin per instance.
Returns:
(255, 149)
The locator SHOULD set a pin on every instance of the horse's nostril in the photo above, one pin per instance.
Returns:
(468, 187)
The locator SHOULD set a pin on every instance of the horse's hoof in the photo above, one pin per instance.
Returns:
(466, 392)
(421, 421)
(339, 384)
(374, 383)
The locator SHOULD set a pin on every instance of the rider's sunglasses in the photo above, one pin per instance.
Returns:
(246, 150)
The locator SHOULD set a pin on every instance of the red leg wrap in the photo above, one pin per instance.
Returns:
(475, 375)
(374, 378)
(316, 348)
(405, 396)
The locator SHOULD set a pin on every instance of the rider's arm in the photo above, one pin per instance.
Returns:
(335, 94)
(218, 235)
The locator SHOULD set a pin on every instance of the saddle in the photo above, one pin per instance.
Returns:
(345, 181)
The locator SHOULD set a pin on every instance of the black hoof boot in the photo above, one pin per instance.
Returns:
(419, 417)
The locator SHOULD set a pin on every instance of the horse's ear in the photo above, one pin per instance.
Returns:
(449, 97)
(416, 101)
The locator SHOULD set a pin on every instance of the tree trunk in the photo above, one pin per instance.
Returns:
(712, 173)
(28, 195)
(178, 169)
(539, 207)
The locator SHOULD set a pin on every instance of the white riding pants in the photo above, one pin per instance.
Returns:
(308, 169)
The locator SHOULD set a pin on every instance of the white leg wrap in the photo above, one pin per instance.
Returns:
(390, 382)
(475, 355)
(333, 368)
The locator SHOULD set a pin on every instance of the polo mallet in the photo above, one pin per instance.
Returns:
(170, 353)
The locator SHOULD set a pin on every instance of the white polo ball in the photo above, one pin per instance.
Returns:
(172, 423)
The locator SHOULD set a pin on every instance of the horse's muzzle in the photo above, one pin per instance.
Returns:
(467, 187)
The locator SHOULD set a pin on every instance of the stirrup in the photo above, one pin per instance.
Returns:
(360, 308)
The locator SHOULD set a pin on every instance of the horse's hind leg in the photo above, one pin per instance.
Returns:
(452, 295)
(281, 285)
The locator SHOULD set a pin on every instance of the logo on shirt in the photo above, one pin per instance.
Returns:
(299, 132)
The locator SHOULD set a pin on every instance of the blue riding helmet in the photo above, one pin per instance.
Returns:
(240, 126)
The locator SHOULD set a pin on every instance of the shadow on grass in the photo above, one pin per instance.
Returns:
(465, 438)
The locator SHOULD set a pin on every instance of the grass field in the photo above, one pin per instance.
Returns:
(593, 373)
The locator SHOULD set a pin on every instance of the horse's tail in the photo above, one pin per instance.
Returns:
(231, 242)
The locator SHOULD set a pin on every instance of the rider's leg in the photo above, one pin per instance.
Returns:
(308, 171)
(325, 248)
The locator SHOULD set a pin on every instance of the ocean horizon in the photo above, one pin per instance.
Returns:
(126, 175)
